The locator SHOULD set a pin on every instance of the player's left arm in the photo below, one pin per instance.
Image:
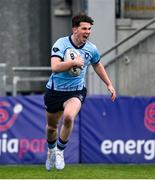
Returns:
(100, 70)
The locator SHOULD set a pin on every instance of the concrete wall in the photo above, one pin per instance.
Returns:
(24, 34)
(103, 31)
(135, 70)
(61, 15)
(103, 36)
(126, 27)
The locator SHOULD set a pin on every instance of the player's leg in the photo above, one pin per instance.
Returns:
(71, 109)
(52, 125)
(52, 133)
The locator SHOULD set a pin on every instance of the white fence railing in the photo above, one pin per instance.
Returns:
(3, 77)
(18, 78)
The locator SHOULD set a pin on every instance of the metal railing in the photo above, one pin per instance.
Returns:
(150, 22)
(16, 78)
(27, 68)
(3, 79)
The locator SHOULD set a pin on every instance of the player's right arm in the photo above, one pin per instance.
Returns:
(57, 65)
(57, 57)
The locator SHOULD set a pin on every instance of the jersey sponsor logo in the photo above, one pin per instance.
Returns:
(55, 49)
(149, 119)
(86, 55)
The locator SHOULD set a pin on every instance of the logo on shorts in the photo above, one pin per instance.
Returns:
(80, 97)
(149, 119)
(8, 115)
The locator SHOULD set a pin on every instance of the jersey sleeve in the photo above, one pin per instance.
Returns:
(95, 56)
(58, 49)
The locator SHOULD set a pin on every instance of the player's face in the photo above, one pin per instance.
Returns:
(82, 32)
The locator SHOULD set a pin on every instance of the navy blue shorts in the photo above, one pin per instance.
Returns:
(54, 100)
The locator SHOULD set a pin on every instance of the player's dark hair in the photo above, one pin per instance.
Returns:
(77, 19)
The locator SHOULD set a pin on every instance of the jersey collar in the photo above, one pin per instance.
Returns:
(80, 47)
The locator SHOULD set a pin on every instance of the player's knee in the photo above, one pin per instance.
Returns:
(68, 120)
(51, 129)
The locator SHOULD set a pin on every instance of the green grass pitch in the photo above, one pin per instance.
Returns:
(79, 171)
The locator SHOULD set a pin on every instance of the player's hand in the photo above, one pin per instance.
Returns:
(112, 91)
(78, 61)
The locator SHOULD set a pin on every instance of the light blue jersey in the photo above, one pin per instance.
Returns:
(63, 81)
